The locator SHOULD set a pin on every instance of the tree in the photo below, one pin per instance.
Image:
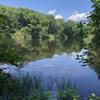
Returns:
(23, 37)
(95, 23)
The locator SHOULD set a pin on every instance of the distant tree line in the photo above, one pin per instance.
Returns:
(22, 29)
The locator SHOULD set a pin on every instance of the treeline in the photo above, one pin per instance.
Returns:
(95, 23)
(21, 29)
(93, 36)
(93, 27)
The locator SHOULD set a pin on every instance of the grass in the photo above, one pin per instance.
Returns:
(66, 91)
(32, 88)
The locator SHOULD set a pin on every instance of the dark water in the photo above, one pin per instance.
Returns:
(63, 65)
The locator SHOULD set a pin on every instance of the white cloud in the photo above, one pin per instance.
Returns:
(52, 12)
(58, 16)
(78, 16)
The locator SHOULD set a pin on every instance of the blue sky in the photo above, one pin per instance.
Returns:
(60, 8)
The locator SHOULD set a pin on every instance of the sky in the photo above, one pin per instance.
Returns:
(66, 9)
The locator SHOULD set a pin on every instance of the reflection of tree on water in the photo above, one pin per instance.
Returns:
(94, 60)
(51, 46)
(47, 48)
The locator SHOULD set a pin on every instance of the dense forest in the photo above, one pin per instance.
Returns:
(21, 30)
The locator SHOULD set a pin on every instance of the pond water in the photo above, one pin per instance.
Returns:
(64, 65)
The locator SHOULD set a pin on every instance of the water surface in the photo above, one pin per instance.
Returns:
(67, 67)
(52, 62)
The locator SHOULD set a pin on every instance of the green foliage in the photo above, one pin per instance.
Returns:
(95, 23)
(24, 88)
(8, 54)
(73, 31)
(21, 29)
(92, 36)
(51, 37)
(30, 88)
(23, 37)
(66, 91)
(93, 97)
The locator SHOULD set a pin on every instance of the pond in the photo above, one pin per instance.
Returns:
(63, 65)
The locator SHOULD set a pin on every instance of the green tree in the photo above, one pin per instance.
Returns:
(95, 22)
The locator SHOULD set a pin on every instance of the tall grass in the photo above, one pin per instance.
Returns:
(66, 91)
(32, 88)
(25, 88)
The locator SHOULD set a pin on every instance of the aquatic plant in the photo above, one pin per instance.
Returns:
(32, 88)
(92, 96)
(66, 91)
(26, 88)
